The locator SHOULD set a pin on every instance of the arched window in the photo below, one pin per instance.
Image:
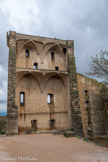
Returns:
(27, 53)
(35, 66)
(50, 99)
(22, 98)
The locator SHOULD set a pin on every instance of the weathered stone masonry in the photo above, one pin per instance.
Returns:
(54, 75)
(41, 46)
(12, 112)
(74, 93)
(96, 114)
(91, 106)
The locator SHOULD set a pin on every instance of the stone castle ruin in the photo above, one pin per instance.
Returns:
(45, 92)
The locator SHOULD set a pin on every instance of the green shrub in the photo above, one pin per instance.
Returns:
(2, 125)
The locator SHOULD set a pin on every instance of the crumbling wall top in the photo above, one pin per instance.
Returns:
(11, 39)
(40, 39)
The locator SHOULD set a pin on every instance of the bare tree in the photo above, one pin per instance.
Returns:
(99, 66)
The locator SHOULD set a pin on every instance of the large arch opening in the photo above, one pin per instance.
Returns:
(56, 102)
(27, 100)
(55, 76)
(56, 58)
(30, 44)
(55, 91)
(26, 54)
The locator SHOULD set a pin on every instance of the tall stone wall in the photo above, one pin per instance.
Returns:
(12, 115)
(104, 96)
(97, 117)
(74, 93)
(91, 106)
(41, 53)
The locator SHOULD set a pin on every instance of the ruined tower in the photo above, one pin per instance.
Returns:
(42, 85)
(12, 111)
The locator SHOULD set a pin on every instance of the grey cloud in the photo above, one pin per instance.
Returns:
(70, 20)
(2, 101)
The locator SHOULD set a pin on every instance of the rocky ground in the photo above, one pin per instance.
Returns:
(49, 148)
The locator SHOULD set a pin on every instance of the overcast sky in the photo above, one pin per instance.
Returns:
(84, 21)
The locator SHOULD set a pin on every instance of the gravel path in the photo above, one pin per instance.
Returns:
(50, 148)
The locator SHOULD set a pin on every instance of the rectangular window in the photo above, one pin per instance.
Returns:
(35, 66)
(52, 56)
(27, 53)
(87, 104)
(86, 93)
(50, 98)
(22, 99)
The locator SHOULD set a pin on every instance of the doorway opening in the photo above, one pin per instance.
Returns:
(56, 68)
(34, 124)
(52, 124)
